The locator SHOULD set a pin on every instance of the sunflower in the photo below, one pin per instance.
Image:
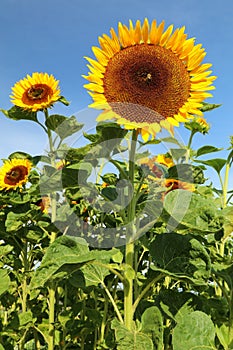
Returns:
(173, 184)
(147, 78)
(36, 92)
(44, 203)
(14, 173)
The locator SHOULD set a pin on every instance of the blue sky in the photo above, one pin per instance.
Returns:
(53, 36)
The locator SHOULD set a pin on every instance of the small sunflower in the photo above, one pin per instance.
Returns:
(44, 203)
(14, 173)
(173, 184)
(164, 159)
(36, 92)
(147, 78)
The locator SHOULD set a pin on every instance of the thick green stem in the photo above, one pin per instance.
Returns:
(224, 204)
(25, 272)
(129, 249)
(52, 286)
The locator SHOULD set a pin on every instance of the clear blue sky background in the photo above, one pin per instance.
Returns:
(53, 36)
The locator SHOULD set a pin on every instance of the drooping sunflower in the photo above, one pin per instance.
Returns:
(147, 78)
(14, 173)
(36, 92)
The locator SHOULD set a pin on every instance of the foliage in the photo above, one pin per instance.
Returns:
(120, 261)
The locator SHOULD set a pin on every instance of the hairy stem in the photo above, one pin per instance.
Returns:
(52, 286)
(129, 249)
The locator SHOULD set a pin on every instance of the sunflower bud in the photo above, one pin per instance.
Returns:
(198, 124)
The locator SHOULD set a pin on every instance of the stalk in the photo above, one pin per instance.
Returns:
(129, 249)
(189, 145)
(24, 288)
(24, 283)
(52, 286)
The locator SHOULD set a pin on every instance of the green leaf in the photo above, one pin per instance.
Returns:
(182, 172)
(25, 318)
(207, 149)
(217, 163)
(5, 281)
(110, 178)
(131, 340)
(20, 155)
(51, 182)
(109, 131)
(227, 213)
(65, 252)
(17, 113)
(193, 211)
(150, 142)
(68, 127)
(5, 249)
(14, 221)
(54, 120)
(171, 140)
(63, 100)
(76, 174)
(178, 153)
(206, 107)
(152, 325)
(94, 274)
(182, 255)
(195, 331)
(223, 335)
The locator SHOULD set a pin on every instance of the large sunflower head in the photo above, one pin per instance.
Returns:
(36, 92)
(14, 173)
(147, 78)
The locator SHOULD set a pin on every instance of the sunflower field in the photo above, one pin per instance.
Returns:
(115, 244)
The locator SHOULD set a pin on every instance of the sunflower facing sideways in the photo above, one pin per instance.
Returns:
(36, 92)
(14, 173)
(147, 78)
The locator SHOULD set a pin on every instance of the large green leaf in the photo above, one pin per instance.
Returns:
(131, 340)
(17, 113)
(181, 255)
(195, 331)
(64, 256)
(54, 120)
(152, 325)
(193, 211)
(206, 150)
(216, 163)
(68, 127)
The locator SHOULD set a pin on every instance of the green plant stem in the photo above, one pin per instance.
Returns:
(52, 286)
(224, 185)
(224, 203)
(145, 290)
(189, 145)
(113, 302)
(52, 299)
(25, 271)
(129, 249)
(36, 338)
